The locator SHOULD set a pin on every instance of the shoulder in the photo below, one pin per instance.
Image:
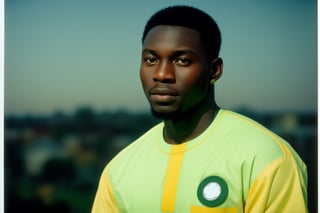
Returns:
(257, 144)
(252, 134)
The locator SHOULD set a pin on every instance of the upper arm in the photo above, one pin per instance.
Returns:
(104, 200)
(281, 187)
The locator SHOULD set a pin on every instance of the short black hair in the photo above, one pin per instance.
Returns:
(190, 17)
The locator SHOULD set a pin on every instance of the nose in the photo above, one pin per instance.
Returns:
(164, 73)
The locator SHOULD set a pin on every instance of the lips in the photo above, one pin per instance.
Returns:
(163, 94)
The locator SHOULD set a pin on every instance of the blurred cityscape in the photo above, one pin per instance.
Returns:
(53, 163)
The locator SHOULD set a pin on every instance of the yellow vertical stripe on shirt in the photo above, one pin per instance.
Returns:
(172, 177)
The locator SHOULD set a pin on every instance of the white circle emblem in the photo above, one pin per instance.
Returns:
(211, 191)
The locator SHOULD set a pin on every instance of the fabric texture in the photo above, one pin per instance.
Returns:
(235, 165)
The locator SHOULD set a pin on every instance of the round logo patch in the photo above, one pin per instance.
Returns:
(212, 191)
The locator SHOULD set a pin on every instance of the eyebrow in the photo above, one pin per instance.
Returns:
(153, 52)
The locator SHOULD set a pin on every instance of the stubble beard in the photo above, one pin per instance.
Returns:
(166, 115)
(178, 113)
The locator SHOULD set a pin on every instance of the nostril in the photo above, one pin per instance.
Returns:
(166, 77)
(164, 74)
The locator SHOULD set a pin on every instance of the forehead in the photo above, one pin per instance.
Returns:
(165, 36)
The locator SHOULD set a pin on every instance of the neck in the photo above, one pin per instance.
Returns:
(189, 125)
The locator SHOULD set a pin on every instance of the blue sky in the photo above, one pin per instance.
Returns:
(63, 54)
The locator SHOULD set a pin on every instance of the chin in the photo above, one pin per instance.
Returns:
(166, 115)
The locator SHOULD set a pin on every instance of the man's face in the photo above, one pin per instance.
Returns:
(174, 72)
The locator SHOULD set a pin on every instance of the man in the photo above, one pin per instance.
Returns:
(200, 158)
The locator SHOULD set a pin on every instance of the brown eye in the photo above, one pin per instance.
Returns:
(182, 61)
(150, 60)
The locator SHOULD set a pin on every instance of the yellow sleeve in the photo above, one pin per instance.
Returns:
(104, 201)
(282, 187)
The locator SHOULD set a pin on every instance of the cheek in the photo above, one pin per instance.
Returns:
(195, 80)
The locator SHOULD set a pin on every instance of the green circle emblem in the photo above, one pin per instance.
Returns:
(212, 191)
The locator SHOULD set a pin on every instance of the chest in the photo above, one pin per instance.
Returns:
(200, 178)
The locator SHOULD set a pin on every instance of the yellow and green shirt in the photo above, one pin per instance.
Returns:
(235, 165)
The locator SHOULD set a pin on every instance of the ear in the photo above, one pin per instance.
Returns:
(216, 69)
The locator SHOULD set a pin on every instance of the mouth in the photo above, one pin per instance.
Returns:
(163, 95)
